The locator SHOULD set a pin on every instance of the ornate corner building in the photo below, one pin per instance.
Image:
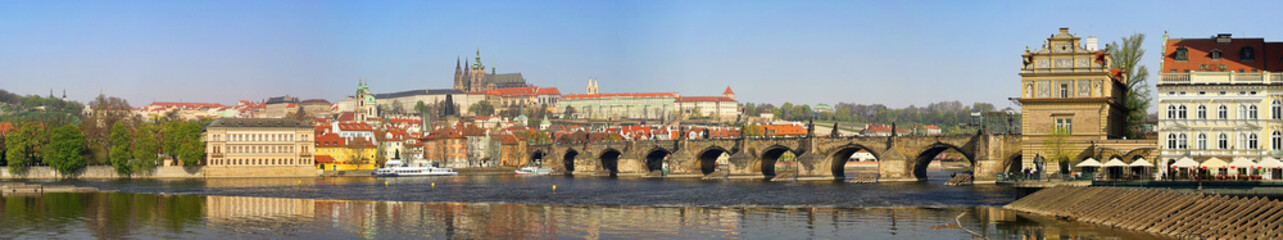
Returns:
(1068, 85)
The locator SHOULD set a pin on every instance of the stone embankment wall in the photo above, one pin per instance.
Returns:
(1181, 215)
(107, 172)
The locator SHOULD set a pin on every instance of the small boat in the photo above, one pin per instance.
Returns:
(396, 168)
(534, 171)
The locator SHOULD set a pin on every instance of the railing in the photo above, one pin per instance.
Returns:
(1276, 77)
(1173, 77)
(1248, 77)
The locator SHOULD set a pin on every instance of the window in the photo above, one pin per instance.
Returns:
(1251, 141)
(1242, 112)
(1251, 112)
(1276, 109)
(1222, 112)
(1223, 141)
(1202, 141)
(1276, 141)
(1182, 141)
(1242, 141)
(1216, 54)
(1171, 141)
(1202, 112)
(1247, 54)
(1065, 124)
(1171, 111)
(1180, 112)
(1182, 54)
(1064, 90)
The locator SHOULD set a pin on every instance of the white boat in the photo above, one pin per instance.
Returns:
(534, 171)
(396, 168)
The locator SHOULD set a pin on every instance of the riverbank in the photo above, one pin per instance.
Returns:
(1165, 212)
(178, 172)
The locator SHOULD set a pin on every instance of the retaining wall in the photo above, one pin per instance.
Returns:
(107, 172)
(1182, 215)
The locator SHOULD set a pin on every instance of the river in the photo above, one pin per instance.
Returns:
(508, 206)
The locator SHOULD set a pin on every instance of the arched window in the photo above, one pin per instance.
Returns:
(1276, 109)
(1222, 112)
(1251, 141)
(1202, 141)
(1182, 54)
(1216, 54)
(1171, 141)
(1171, 111)
(1242, 141)
(1251, 112)
(1182, 141)
(1276, 141)
(1242, 112)
(1222, 141)
(1180, 112)
(1247, 54)
(1202, 112)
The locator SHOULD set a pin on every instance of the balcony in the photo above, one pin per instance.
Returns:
(216, 155)
(1220, 77)
(305, 155)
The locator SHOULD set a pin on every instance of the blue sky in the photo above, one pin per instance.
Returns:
(892, 52)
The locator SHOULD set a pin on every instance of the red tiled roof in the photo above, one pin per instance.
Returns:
(705, 99)
(1199, 52)
(347, 117)
(185, 105)
(519, 92)
(883, 128)
(355, 126)
(728, 91)
(324, 159)
(930, 127)
(620, 95)
(5, 127)
(330, 140)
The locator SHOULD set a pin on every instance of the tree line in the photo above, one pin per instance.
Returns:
(107, 134)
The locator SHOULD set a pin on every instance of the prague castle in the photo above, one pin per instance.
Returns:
(475, 79)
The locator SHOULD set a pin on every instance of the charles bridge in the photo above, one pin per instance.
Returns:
(900, 158)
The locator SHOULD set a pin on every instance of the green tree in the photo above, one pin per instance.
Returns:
(570, 111)
(482, 108)
(190, 148)
(1057, 145)
(146, 148)
(1128, 56)
(66, 149)
(120, 156)
(21, 147)
(420, 107)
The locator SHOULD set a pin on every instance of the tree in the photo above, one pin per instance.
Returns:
(66, 149)
(420, 107)
(1057, 145)
(191, 150)
(106, 111)
(482, 108)
(570, 111)
(397, 108)
(1128, 56)
(21, 147)
(119, 154)
(146, 148)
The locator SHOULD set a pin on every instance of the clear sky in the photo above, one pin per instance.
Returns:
(892, 52)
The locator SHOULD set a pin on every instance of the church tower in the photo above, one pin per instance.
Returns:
(728, 93)
(477, 73)
(366, 106)
(592, 86)
(458, 75)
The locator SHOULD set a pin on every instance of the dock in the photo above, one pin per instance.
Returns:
(1165, 212)
(11, 188)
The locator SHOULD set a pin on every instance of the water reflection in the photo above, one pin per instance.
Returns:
(125, 215)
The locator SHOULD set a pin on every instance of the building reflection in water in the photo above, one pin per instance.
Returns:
(122, 215)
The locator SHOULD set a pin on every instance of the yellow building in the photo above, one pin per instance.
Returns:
(335, 153)
(1068, 85)
(259, 146)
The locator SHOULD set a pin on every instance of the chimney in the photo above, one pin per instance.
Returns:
(1092, 44)
(1223, 38)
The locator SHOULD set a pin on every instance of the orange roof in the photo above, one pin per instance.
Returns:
(330, 140)
(520, 91)
(355, 126)
(883, 128)
(324, 159)
(5, 127)
(185, 105)
(930, 127)
(620, 95)
(705, 99)
(347, 117)
(728, 91)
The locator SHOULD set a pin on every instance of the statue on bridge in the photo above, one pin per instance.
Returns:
(835, 132)
(810, 128)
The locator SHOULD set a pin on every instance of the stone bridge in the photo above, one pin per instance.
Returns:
(900, 158)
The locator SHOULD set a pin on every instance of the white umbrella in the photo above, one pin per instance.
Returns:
(1270, 162)
(1214, 163)
(1115, 163)
(1242, 162)
(1185, 162)
(1088, 163)
(1140, 162)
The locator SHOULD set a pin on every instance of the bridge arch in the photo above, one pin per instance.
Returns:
(568, 160)
(771, 155)
(708, 159)
(537, 157)
(923, 160)
(610, 161)
(843, 154)
(656, 158)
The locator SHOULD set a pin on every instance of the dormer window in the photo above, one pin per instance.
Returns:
(1182, 54)
(1247, 54)
(1216, 54)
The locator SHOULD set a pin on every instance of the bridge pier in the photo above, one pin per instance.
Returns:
(895, 170)
(744, 166)
(986, 171)
(813, 167)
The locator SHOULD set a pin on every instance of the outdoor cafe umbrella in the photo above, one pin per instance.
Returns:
(1185, 162)
(1214, 163)
(1088, 163)
(1140, 162)
(1242, 162)
(1270, 162)
(1115, 163)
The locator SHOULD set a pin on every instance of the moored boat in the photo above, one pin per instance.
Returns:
(396, 168)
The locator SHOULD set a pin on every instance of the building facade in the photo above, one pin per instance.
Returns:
(1068, 87)
(716, 108)
(475, 79)
(256, 142)
(1220, 97)
(619, 106)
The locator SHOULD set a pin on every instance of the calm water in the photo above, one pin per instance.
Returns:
(505, 206)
